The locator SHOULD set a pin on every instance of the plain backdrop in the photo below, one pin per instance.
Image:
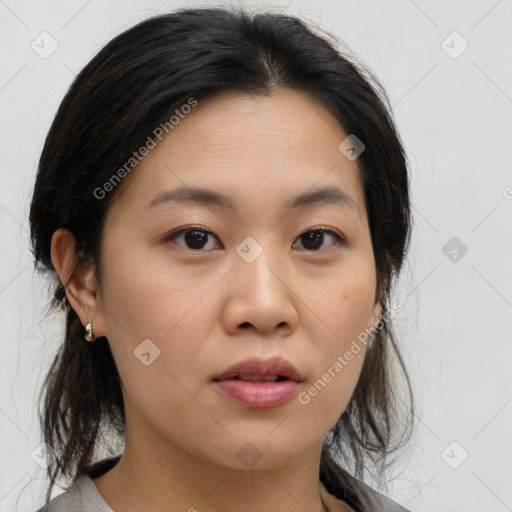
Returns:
(446, 68)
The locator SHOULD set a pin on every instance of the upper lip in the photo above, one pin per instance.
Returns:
(261, 367)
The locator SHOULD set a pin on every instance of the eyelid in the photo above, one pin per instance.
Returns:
(326, 229)
(177, 232)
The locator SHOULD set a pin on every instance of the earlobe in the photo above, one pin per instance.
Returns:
(79, 282)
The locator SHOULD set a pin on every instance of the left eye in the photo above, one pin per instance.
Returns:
(312, 240)
(315, 238)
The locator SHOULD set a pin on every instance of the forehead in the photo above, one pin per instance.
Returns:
(265, 146)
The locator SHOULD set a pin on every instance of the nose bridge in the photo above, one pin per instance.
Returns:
(258, 262)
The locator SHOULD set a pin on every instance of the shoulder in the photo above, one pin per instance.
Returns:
(82, 496)
(372, 501)
(359, 496)
(382, 503)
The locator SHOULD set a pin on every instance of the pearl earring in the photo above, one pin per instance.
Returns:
(89, 336)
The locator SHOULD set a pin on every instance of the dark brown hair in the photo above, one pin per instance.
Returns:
(136, 82)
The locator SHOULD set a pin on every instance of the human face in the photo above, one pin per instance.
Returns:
(208, 302)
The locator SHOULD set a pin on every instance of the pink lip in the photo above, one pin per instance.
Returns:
(256, 394)
(262, 367)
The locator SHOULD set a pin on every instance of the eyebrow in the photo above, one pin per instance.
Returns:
(187, 194)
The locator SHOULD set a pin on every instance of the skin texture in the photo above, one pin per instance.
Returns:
(207, 308)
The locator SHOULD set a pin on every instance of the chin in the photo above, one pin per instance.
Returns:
(260, 454)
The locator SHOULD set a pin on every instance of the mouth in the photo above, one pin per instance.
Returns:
(254, 369)
(259, 384)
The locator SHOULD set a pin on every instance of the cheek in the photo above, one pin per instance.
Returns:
(341, 332)
(326, 396)
(145, 295)
(148, 318)
(342, 303)
(157, 321)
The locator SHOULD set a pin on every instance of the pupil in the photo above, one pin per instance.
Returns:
(313, 237)
(195, 239)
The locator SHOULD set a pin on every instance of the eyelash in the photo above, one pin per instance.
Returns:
(172, 236)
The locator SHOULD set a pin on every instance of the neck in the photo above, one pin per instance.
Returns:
(158, 476)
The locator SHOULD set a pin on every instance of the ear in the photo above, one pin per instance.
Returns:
(376, 315)
(79, 283)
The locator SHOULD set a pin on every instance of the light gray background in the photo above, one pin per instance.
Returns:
(455, 117)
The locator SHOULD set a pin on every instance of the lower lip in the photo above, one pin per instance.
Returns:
(258, 395)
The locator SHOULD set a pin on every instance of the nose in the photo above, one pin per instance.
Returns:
(261, 295)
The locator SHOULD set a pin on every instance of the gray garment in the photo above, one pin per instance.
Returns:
(82, 496)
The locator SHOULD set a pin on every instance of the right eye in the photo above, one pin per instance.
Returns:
(195, 237)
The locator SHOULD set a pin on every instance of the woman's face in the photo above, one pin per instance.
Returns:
(193, 285)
